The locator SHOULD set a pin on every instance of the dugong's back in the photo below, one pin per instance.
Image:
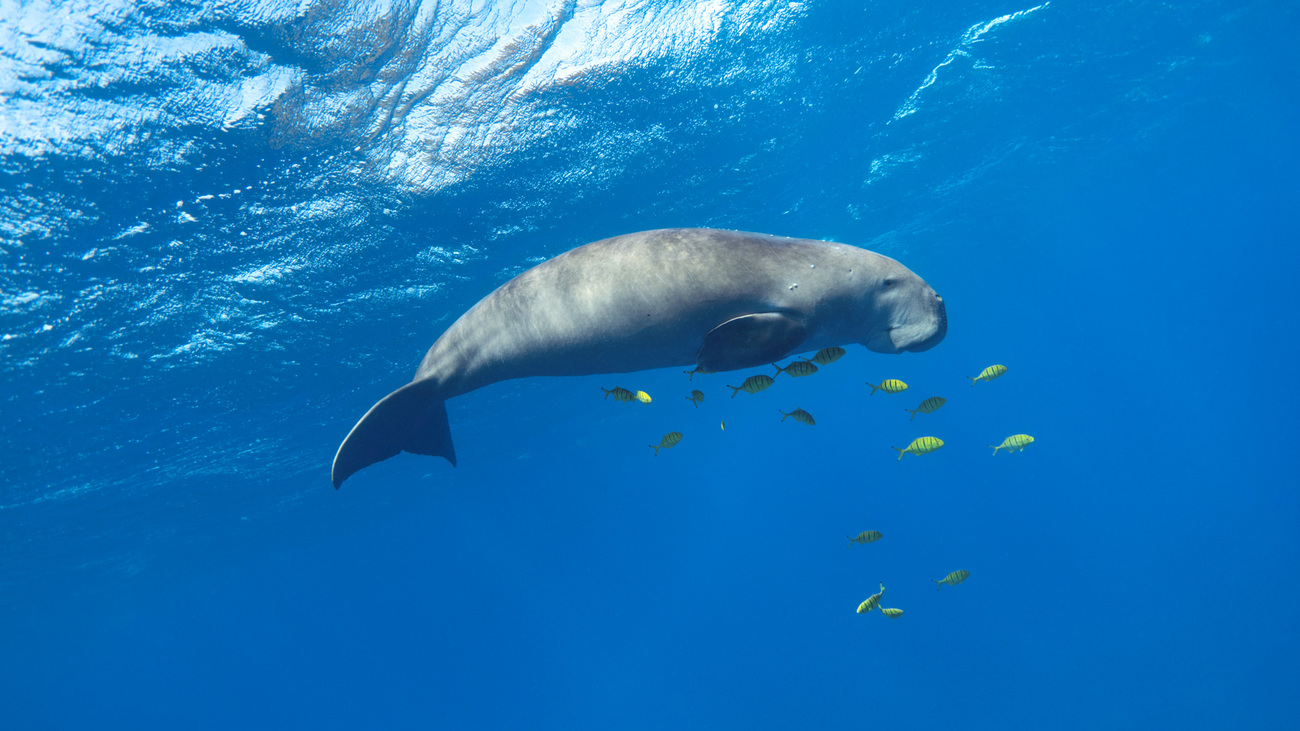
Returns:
(720, 299)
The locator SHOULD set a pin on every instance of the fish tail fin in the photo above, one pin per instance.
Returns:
(850, 542)
(784, 415)
(411, 419)
(873, 388)
(779, 370)
(938, 584)
(734, 390)
(656, 449)
(973, 379)
(913, 413)
(607, 391)
(900, 452)
(691, 374)
(995, 450)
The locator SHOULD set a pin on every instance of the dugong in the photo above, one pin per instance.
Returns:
(721, 300)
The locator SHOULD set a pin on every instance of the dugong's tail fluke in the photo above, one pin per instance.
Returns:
(411, 419)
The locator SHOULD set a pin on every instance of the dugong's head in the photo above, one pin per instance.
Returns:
(904, 313)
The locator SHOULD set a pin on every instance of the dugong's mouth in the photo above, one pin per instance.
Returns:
(928, 343)
(913, 337)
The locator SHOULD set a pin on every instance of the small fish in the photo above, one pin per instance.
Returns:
(826, 356)
(928, 406)
(920, 446)
(952, 579)
(988, 374)
(753, 384)
(865, 537)
(889, 385)
(619, 394)
(800, 416)
(670, 439)
(1014, 443)
(871, 602)
(643, 397)
(891, 613)
(696, 397)
(698, 370)
(797, 368)
(723, 424)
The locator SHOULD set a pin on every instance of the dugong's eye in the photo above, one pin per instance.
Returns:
(889, 282)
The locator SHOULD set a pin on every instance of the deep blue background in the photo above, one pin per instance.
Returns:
(1104, 195)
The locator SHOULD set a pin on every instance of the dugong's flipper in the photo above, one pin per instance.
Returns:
(750, 340)
(411, 419)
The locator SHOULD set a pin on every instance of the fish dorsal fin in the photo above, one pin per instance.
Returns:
(750, 340)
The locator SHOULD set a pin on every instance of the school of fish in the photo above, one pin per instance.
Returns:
(804, 367)
(926, 445)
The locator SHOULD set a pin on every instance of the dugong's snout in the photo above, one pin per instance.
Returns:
(920, 329)
(937, 327)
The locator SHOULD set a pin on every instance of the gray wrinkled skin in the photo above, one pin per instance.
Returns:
(646, 300)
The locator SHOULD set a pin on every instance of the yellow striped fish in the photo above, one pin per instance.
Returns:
(871, 602)
(865, 537)
(800, 416)
(797, 368)
(753, 384)
(988, 374)
(643, 397)
(619, 394)
(826, 356)
(891, 613)
(928, 406)
(920, 446)
(952, 579)
(889, 385)
(698, 370)
(1014, 443)
(670, 439)
(696, 397)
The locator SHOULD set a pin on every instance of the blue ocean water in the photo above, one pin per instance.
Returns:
(229, 227)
